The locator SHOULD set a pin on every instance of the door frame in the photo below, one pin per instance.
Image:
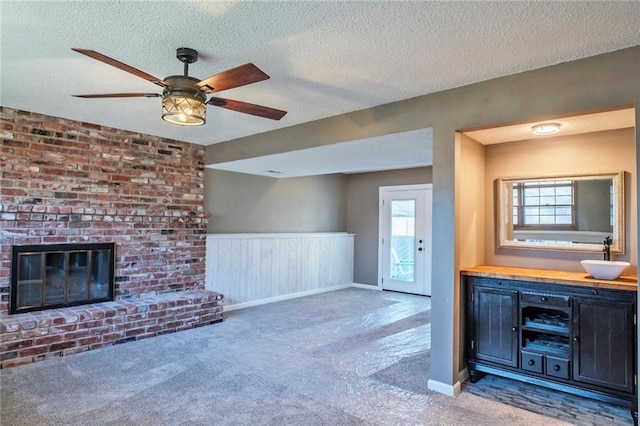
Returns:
(381, 191)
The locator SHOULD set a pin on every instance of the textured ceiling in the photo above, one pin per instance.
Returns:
(324, 58)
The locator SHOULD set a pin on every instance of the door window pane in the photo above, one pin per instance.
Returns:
(403, 240)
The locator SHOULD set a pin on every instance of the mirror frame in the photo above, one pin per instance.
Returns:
(618, 233)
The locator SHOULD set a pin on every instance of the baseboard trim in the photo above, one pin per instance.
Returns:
(366, 286)
(463, 375)
(228, 308)
(449, 390)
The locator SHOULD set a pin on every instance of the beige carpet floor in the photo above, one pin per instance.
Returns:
(349, 357)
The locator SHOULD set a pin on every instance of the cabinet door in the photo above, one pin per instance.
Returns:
(495, 325)
(603, 353)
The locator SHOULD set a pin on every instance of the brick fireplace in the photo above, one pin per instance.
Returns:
(69, 182)
(46, 276)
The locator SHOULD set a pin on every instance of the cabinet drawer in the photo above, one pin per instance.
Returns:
(545, 299)
(531, 361)
(557, 367)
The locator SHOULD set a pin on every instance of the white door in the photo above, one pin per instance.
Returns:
(404, 250)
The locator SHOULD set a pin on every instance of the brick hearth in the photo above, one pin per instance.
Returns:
(64, 181)
(33, 336)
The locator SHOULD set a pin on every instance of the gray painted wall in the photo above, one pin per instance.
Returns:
(470, 202)
(242, 203)
(362, 215)
(593, 203)
(596, 83)
(609, 151)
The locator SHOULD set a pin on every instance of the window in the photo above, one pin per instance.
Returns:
(544, 205)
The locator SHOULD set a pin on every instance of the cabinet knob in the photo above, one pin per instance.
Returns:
(556, 367)
(514, 328)
(543, 298)
(420, 249)
(595, 292)
(575, 339)
(531, 362)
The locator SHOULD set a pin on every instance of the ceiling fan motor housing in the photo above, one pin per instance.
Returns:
(178, 85)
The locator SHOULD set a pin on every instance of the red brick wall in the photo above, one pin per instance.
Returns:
(68, 181)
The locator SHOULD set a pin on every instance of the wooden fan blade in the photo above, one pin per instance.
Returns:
(247, 108)
(124, 67)
(120, 95)
(235, 77)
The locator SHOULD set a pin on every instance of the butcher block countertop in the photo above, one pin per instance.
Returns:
(582, 279)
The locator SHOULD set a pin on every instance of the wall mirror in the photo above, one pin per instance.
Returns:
(572, 213)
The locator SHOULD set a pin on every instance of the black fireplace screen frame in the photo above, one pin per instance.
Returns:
(65, 257)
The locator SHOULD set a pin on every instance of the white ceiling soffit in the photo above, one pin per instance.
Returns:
(574, 125)
(324, 58)
(394, 151)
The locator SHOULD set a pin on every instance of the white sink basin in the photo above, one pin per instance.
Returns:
(604, 269)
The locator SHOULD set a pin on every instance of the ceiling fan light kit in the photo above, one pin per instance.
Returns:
(184, 111)
(183, 104)
(184, 98)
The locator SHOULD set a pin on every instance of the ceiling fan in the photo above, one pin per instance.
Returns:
(184, 98)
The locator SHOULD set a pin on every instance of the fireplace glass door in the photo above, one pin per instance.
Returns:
(48, 276)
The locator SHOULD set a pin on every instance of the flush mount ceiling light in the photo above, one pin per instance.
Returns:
(184, 98)
(545, 129)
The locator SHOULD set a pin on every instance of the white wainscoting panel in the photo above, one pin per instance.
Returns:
(251, 269)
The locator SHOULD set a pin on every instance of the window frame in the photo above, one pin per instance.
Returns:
(520, 187)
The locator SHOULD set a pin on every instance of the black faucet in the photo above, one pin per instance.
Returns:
(606, 248)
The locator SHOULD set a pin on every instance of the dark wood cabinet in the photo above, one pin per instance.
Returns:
(496, 337)
(572, 338)
(603, 343)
